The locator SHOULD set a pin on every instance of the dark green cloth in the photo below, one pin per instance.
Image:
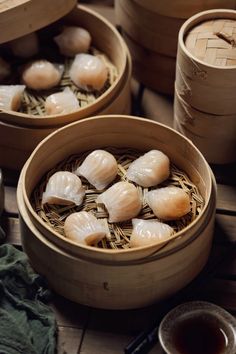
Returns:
(27, 325)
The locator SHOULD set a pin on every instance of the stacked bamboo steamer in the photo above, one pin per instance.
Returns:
(109, 278)
(150, 29)
(205, 105)
(20, 132)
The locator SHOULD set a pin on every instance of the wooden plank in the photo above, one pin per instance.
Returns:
(225, 229)
(12, 228)
(158, 107)
(222, 293)
(10, 206)
(68, 340)
(68, 313)
(96, 342)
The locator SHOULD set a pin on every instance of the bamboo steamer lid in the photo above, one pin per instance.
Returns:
(20, 17)
(206, 62)
(214, 41)
(197, 69)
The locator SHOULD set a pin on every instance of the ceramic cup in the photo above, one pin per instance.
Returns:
(198, 327)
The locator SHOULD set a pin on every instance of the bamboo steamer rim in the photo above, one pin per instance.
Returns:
(54, 120)
(195, 20)
(110, 253)
(182, 8)
(20, 17)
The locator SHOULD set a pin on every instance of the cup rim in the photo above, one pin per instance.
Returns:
(191, 309)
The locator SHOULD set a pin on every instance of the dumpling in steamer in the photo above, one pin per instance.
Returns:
(150, 169)
(26, 46)
(84, 228)
(63, 188)
(149, 232)
(122, 201)
(42, 75)
(99, 168)
(4, 69)
(88, 72)
(73, 40)
(168, 203)
(10, 96)
(61, 102)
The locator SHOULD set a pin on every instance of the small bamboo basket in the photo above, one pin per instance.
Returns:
(205, 105)
(108, 277)
(21, 131)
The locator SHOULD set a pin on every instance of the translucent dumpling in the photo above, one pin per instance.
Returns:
(149, 232)
(99, 168)
(84, 228)
(61, 102)
(26, 46)
(168, 203)
(10, 96)
(42, 75)
(73, 40)
(4, 69)
(122, 201)
(150, 169)
(63, 188)
(88, 72)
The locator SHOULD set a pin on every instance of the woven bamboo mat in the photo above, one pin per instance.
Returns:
(213, 42)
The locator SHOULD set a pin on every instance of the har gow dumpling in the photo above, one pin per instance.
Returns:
(168, 203)
(99, 168)
(84, 228)
(149, 232)
(26, 46)
(61, 102)
(88, 72)
(150, 169)
(10, 96)
(122, 201)
(42, 75)
(73, 40)
(63, 188)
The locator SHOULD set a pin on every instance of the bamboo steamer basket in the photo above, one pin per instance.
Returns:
(154, 70)
(116, 99)
(205, 130)
(206, 63)
(182, 8)
(110, 278)
(155, 32)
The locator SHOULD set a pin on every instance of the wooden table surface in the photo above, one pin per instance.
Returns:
(92, 331)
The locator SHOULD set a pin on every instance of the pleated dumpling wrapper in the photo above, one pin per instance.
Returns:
(73, 40)
(61, 102)
(149, 232)
(99, 168)
(122, 201)
(42, 75)
(168, 203)
(63, 188)
(88, 72)
(10, 96)
(149, 169)
(84, 228)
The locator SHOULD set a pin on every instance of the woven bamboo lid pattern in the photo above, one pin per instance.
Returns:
(213, 42)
